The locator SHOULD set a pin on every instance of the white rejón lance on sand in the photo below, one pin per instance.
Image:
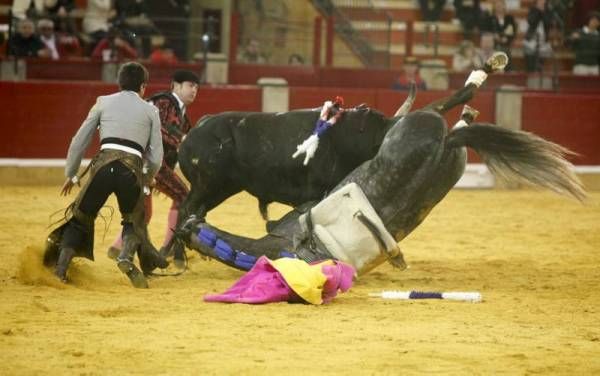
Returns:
(473, 297)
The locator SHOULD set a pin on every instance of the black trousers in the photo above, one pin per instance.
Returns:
(115, 178)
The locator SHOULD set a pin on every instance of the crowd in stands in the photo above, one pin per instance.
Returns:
(110, 30)
(490, 24)
(114, 30)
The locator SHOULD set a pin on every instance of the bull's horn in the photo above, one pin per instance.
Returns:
(405, 108)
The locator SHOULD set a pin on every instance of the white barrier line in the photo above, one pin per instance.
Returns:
(20, 162)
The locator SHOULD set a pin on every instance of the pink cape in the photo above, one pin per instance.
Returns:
(265, 284)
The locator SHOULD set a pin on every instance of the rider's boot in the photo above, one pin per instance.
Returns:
(64, 259)
(125, 261)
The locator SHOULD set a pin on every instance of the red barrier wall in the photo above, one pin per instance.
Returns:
(572, 120)
(84, 69)
(39, 118)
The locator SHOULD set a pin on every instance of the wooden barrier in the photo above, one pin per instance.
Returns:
(39, 118)
(568, 119)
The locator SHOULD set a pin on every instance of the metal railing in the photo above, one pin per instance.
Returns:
(364, 48)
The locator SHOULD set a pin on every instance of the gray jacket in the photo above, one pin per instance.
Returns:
(123, 115)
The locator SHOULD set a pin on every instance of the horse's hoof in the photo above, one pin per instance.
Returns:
(133, 273)
(469, 114)
(113, 253)
(497, 62)
(179, 264)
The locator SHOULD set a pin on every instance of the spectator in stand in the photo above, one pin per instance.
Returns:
(61, 12)
(431, 10)
(295, 59)
(60, 45)
(410, 73)
(469, 14)
(114, 47)
(586, 44)
(95, 22)
(161, 52)
(502, 26)
(20, 8)
(131, 16)
(25, 43)
(465, 59)
(57, 10)
(252, 53)
(536, 46)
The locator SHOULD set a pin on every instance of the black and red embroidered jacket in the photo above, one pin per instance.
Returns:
(173, 125)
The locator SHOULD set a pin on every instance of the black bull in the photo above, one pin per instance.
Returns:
(404, 175)
(235, 151)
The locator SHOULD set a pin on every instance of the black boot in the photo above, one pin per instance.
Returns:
(125, 262)
(64, 259)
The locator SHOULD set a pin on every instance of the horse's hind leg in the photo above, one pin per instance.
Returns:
(462, 96)
(495, 63)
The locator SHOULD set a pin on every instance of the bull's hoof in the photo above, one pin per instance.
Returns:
(133, 273)
(113, 253)
(497, 62)
(151, 259)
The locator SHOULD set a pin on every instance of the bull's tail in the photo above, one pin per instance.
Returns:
(522, 155)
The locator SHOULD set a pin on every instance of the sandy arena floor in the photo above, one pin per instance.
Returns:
(534, 256)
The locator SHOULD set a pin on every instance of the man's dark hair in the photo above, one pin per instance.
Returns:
(131, 76)
(181, 76)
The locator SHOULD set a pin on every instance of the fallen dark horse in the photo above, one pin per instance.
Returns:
(235, 151)
(415, 166)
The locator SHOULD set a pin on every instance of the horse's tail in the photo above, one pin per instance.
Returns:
(522, 155)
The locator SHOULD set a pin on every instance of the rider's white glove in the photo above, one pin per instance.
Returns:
(476, 77)
(309, 146)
